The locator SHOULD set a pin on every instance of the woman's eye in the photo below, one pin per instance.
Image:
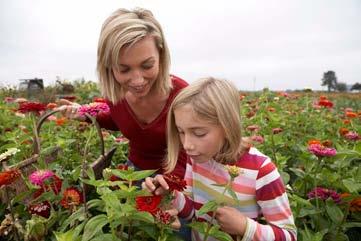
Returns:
(123, 71)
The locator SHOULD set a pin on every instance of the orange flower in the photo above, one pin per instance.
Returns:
(325, 103)
(51, 106)
(322, 97)
(313, 141)
(60, 121)
(346, 122)
(343, 131)
(271, 109)
(355, 205)
(9, 176)
(241, 97)
(350, 114)
(327, 143)
(72, 197)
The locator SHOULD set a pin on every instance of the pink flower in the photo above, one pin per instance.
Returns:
(253, 128)
(352, 136)
(9, 99)
(324, 194)
(38, 177)
(93, 109)
(258, 139)
(320, 150)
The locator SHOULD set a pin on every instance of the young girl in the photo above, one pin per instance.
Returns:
(204, 118)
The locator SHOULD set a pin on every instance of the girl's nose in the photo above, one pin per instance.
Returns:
(187, 144)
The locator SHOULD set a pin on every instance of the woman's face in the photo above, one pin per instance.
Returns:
(138, 67)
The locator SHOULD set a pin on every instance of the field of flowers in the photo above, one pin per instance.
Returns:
(62, 179)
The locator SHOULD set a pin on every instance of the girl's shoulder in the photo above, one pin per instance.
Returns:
(253, 159)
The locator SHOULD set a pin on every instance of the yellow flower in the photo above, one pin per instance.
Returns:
(234, 171)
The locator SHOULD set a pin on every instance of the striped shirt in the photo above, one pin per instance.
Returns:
(259, 189)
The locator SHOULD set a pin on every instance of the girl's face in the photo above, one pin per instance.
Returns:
(200, 139)
(138, 67)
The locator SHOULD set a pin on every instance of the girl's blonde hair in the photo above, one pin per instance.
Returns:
(122, 29)
(213, 100)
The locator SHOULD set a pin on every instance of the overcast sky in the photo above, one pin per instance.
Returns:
(254, 43)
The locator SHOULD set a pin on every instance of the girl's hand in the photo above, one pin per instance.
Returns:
(69, 109)
(176, 223)
(231, 220)
(156, 185)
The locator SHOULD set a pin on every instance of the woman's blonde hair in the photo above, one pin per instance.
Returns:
(213, 100)
(123, 28)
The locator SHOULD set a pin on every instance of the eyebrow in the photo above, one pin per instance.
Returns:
(145, 61)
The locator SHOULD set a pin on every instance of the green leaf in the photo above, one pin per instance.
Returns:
(77, 215)
(67, 236)
(139, 175)
(334, 212)
(220, 235)
(208, 207)
(351, 185)
(94, 225)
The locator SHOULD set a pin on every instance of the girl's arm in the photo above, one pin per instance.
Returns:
(272, 198)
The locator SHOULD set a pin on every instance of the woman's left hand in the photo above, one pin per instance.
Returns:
(231, 220)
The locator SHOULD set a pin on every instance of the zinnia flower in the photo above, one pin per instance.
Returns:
(325, 103)
(175, 182)
(320, 150)
(9, 99)
(7, 177)
(34, 107)
(47, 180)
(352, 136)
(51, 106)
(258, 139)
(350, 114)
(343, 131)
(324, 194)
(99, 99)
(119, 167)
(233, 171)
(41, 209)
(72, 197)
(253, 128)
(277, 130)
(93, 109)
(162, 216)
(355, 205)
(148, 203)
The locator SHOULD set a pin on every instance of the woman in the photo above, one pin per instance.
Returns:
(133, 69)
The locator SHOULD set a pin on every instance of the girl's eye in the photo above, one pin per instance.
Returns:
(147, 66)
(200, 134)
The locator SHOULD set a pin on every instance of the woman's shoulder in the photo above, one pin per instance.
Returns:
(178, 83)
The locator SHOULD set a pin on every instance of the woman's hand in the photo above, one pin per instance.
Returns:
(156, 185)
(231, 220)
(69, 109)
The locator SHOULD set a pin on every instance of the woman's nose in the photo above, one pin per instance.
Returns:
(137, 78)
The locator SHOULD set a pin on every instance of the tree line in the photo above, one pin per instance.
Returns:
(330, 80)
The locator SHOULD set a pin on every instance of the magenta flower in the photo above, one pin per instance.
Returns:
(93, 109)
(320, 150)
(352, 136)
(38, 177)
(324, 194)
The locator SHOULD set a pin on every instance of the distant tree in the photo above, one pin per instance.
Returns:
(356, 86)
(342, 87)
(329, 79)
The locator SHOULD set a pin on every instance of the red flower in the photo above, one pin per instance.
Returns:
(325, 103)
(351, 114)
(55, 184)
(69, 97)
(35, 107)
(51, 106)
(7, 177)
(343, 131)
(175, 182)
(41, 209)
(148, 203)
(99, 99)
(277, 130)
(72, 197)
(162, 216)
